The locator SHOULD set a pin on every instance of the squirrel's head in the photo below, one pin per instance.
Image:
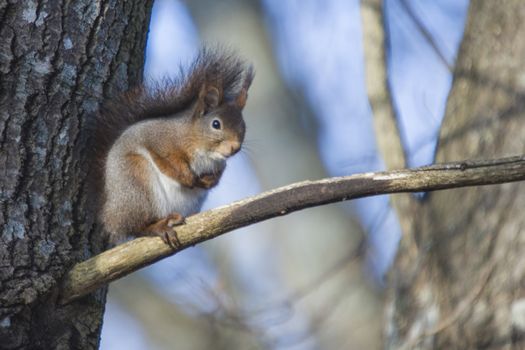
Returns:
(218, 119)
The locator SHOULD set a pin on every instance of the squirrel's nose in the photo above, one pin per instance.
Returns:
(235, 146)
(229, 148)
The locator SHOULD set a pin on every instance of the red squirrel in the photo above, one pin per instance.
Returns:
(161, 149)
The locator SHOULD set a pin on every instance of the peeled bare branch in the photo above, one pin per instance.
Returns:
(91, 274)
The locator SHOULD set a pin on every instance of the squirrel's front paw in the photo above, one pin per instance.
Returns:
(208, 180)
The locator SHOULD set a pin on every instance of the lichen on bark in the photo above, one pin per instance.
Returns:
(58, 60)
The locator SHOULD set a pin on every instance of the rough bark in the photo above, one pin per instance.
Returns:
(464, 288)
(57, 60)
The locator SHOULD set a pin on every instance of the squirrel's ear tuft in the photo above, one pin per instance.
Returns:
(240, 100)
(209, 98)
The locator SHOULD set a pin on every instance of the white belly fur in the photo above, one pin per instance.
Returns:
(170, 196)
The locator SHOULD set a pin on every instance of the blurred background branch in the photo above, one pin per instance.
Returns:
(386, 122)
(407, 7)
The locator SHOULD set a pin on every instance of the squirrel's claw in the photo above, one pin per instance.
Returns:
(170, 235)
(171, 239)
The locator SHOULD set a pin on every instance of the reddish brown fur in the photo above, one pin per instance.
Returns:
(220, 68)
(138, 167)
(175, 129)
(176, 166)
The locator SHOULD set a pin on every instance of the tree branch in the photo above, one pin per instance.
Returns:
(115, 263)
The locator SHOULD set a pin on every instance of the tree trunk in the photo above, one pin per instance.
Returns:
(463, 288)
(57, 61)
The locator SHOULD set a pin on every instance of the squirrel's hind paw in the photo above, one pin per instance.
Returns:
(174, 219)
(164, 228)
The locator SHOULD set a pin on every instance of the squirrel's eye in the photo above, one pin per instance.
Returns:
(216, 124)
